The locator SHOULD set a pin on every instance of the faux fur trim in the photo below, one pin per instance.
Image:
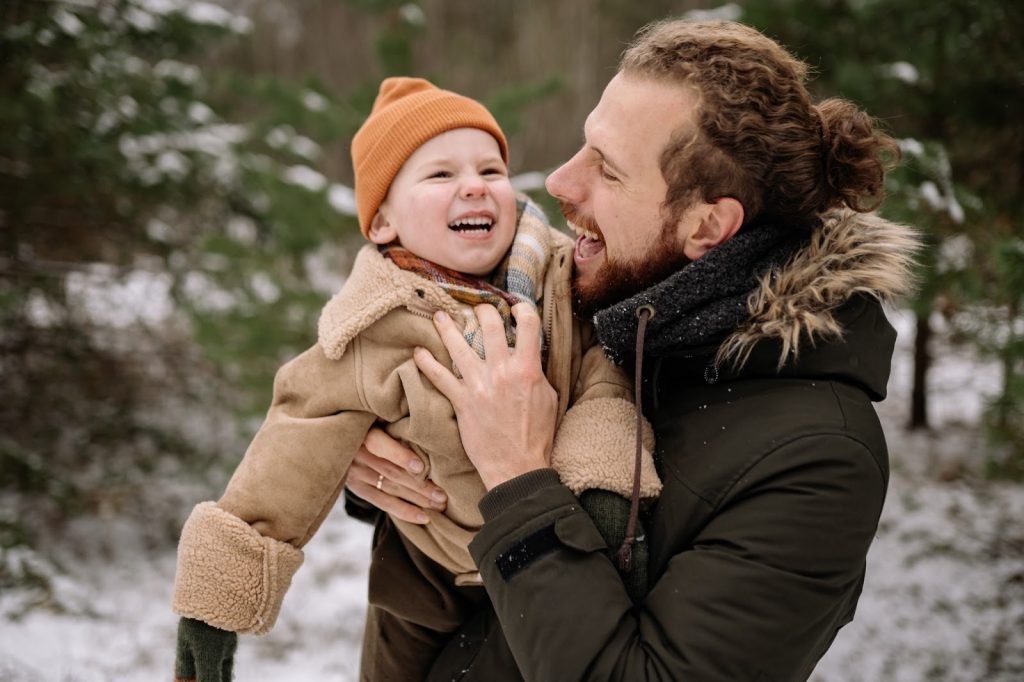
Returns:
(229, 576)
(851, 253)
(595, 448)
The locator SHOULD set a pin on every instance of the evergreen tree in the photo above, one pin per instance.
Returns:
(137, 215)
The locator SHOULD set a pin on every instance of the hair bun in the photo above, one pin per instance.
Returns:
(856, 155)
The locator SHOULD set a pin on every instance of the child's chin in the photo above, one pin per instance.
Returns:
(478, 269)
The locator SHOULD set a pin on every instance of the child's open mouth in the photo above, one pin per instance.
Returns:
(472, 226)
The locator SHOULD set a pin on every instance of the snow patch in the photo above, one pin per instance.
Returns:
(342, 199)
(304, 176)
(902, 71)
(727, 12)
(314, 101)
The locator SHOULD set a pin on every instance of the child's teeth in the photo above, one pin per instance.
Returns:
(484, 223)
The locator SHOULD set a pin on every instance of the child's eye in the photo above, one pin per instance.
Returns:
(440, 174)
(492, 171)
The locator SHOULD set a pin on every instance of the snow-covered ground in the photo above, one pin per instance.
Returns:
(944, 598)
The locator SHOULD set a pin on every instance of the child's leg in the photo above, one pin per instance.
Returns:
(414, 607)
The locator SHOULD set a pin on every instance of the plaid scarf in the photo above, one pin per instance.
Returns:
(519, 278)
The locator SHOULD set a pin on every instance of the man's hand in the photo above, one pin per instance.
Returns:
(382, 473)
(505, 407)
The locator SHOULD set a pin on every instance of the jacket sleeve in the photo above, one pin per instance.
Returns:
(759, 594)
(236, 558)
(595, 444)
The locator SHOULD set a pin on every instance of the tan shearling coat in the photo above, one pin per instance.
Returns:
(237, 556)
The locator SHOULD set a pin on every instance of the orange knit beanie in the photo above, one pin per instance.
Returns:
(407, 113)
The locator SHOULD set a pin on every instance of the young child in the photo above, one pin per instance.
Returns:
(447, 233)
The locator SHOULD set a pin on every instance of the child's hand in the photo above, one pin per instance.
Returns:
(384, 474)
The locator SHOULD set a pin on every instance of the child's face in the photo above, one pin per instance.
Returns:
(451, 203)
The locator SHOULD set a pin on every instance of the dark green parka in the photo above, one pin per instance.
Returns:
(774, 478)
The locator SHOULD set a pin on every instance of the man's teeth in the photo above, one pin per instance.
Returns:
(586, 233)
(472, 224)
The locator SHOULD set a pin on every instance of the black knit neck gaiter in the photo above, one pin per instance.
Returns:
(704, 301)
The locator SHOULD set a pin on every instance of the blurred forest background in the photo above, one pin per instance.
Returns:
(175, 207)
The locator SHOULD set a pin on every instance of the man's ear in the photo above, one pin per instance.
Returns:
(717, 223)
(381, 231)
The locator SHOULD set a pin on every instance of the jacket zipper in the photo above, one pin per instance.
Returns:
(549, 305)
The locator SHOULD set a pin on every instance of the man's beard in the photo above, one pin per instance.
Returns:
(617, 280)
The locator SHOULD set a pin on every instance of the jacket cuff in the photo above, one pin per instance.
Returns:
(228, 575)
(595, 448)
(503, 496)
(532, 515)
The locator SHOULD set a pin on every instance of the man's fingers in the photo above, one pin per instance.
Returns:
(462, 353)
(393, 481)
(438, 374)
(397, 507)
(527, 330)
(371, 470)
(493, 329)
(373, 465)
(379, 474)
(380, 444)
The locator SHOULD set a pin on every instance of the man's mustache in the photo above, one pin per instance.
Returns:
(573, 214)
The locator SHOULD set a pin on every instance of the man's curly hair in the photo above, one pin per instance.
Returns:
(759, 139)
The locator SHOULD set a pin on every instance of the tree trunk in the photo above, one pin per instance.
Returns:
(922, 361)
(1009, 361)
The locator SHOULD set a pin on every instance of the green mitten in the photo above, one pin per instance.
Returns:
(610, 513)
(205, 653)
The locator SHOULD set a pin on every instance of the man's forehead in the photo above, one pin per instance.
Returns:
(635, 113)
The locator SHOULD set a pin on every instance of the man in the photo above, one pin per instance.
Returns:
(725, 253)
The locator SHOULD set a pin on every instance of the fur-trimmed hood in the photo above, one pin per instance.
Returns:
(851, 253)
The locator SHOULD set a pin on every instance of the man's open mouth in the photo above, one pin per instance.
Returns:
(588, 243)
(474, 225)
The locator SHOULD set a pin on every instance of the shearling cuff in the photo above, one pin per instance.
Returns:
(229, 576)
(595, 447)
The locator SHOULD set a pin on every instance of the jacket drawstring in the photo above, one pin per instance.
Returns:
(644, 313)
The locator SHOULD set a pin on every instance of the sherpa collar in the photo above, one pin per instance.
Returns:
(375, 287)
(791, 299)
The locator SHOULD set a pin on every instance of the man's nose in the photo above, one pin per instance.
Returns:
(563, 183)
